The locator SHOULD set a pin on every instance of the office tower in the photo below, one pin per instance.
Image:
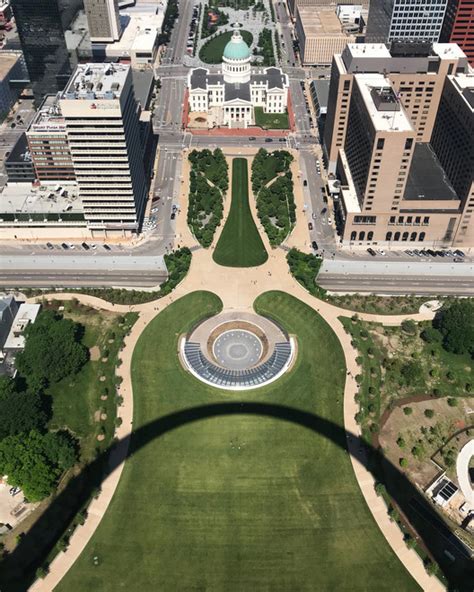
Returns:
(48, 144)
(453, 143)
(102, 122)
(380, 143)
(103, 19)
(458, 26)
(405, 19)
(41, 27)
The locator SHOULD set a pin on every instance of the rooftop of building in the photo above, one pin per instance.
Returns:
(426, 177)
(26, 314)
(448, 50)
(367, 50)
(322, 22)
(48, 117)
(383, 107)
(44, 199)
(465, 85)
(96, 81)
(7, 62)
(140, 33)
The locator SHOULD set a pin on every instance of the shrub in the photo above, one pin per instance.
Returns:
(401, 442)
(417, 452)
(410, 542)
(409, 326)
(380, 489)
(452, 402)
(42, 572)
(407, 410)
(411, 373)
(429, 413)
(403, 462)
(431, 335)
(431, 567)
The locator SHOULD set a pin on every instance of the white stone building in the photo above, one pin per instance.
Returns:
(230, 96)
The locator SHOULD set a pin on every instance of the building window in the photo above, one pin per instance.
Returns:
(353, 235)
(380, 143)
(413, 236)
(426, 220)
(388, 236)
(405, 236)
(408, 144)
(361, 235)
(421, 238)
(397, 236)
(370, 235)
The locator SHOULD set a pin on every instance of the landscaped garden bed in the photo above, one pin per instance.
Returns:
(208, 184)
(272, 185)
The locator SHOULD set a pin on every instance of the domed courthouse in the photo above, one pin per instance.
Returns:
(229, 96)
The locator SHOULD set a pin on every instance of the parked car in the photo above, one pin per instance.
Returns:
(305, 183)
(85, 246)
(268, 140)
(14, 490)
(314, 244)
(310, 226)
(107, 248)
(382, 252)
(313, 215)
(324, 210)
(409, 253)
(329, 221)
(458, 260)
(371, 252)
(49, 246)
(252, 138)
(459, 253)
(65, 246)
(173, 215)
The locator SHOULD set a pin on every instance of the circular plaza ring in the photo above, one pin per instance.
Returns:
(237, 351)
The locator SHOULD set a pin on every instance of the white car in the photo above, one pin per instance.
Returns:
(71, 246)
(329, 221)
(381, 252)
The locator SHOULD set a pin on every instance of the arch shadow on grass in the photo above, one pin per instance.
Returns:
(18, 568)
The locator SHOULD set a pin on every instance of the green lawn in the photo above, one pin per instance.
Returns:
(271, 120)
(211, 52)
(193, 512)
(239, 244)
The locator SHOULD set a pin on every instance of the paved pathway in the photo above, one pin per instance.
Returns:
(238, 289)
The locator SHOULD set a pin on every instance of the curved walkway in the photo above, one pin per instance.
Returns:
(238, 288)
(462, 471)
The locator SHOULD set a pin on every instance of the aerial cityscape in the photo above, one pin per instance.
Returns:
(236, 295)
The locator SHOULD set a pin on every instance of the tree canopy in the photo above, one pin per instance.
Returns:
(456, 325)
(52, 349)
(35, 461)
(20, 411)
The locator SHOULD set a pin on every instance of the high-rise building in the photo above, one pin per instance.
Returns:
(453, 143)
(48, 144)
(405, 19)
(102, 122)
(104, 20)
(387, 139)
(41, 28)
(458, 26)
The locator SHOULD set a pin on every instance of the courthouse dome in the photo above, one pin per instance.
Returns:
(236, 48)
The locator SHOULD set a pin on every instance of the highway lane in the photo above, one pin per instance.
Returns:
(397, 284)
(80, 278)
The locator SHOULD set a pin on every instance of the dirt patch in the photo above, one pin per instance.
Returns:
(425, 433)
(97, 416)
(94, 353)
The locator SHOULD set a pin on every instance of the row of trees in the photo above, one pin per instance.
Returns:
(265, 48)
(31, 456)
(266, 165)
(169, 19)
(205, 207)
(275, 202)
(276, 208)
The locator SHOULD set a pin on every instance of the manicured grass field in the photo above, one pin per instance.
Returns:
(238, 503)
(211, 52)
(271, 120)
(240, 244)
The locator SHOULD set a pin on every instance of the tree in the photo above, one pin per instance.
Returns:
(35, 462)
(21, 412)
(411, 373)
(409, 326)
(456, 325)
(431, 335)
(52, 349)
(429, 413)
